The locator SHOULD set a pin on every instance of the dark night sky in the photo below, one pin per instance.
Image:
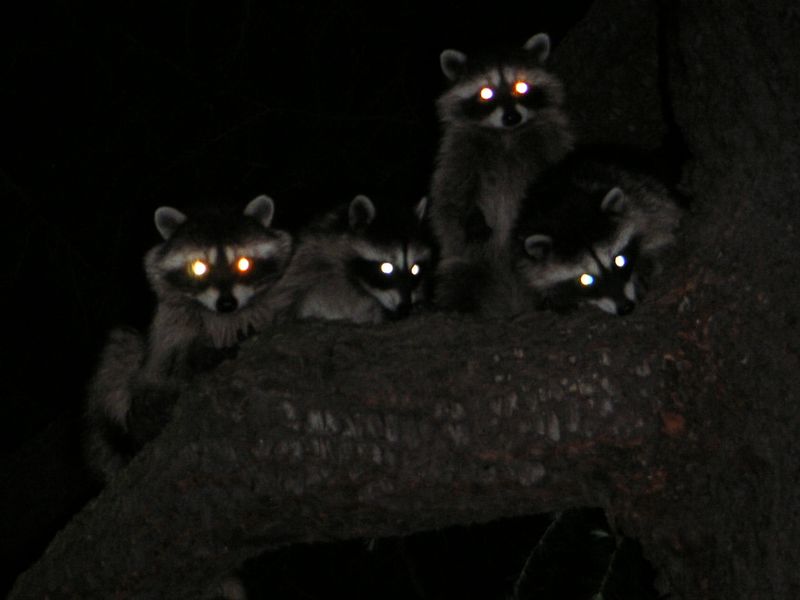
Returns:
(112, 109)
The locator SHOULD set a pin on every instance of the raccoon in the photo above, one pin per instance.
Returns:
(594, 232)
(358, 264)
(503, 124)
(210, 276)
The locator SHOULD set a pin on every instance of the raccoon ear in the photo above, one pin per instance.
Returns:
(538, 245)
(262, 209)
(361, 212)
(538, 45)
(614, 201)
(453, 63)
(167, 220)
(421, 208)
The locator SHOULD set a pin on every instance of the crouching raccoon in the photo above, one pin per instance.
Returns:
(592, 231)
(360, 263)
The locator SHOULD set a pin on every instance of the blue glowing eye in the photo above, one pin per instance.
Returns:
(387, 268)
(620, 261)
(586, 280)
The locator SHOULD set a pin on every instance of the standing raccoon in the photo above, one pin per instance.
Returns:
(503, 124)
(358, 263)
(594, 232)
(210, 276)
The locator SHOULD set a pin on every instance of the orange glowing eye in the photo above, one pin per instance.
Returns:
(486, 93)
(198, 268)
(521, 88)
(243, 264)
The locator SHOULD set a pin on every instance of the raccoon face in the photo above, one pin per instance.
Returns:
(395, 271)
(395, 276)
(596, 260)
(604, 276)
(502, 95)
(221, 275)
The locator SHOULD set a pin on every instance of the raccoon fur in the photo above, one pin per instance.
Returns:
(593, 233)
(486, 288)
(360, 264)
(108, 448)
(210, 276)
(503, 124)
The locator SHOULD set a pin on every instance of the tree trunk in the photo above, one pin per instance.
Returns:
(679, 420)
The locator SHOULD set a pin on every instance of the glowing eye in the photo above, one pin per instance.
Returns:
(243, 264)
(521, 88)
(486, 93)
(415, 269)
(198, 268)
(586, 280)
(620, 260)
(387, 268)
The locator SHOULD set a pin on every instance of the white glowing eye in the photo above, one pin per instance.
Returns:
(486, 93)
(415, 269)
(620, 260)
(586, 279)
(243, 264)
(198, 268)
(387, 268)
(521, 88)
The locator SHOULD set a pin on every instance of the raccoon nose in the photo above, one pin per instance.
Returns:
(625, 308)
(511, 117)
(226, 303)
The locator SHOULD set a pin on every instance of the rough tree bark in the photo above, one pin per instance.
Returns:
(679, 420)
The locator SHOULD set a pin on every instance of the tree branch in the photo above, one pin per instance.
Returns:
(313, 433)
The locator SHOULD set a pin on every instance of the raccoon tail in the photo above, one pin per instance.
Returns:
(105, 444)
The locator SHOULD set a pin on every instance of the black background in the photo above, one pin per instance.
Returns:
(113, 109)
